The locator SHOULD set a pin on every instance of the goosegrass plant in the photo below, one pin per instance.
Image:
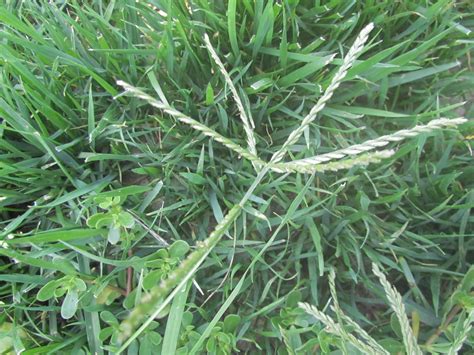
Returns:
(361, 340)
(267, 163)
(184, 272)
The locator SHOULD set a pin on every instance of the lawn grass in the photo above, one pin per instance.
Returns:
(169, 184)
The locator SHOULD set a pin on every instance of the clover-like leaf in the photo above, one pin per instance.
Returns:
(231, 322)
(108, 318)
(125, 219)
(152, 279)
(60, 291)
(178, 249)
(155, 338)
(92, 220)
(48, 291)
(106, 202)
(80, 285)
(106, 333)
(69, 306)
(157, 259)
(114, 235)
(211, 345)
(99, 220)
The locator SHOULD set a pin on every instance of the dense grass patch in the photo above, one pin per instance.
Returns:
(155, 197)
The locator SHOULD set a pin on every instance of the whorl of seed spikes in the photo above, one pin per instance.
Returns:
(190, 121)
(347, 63)
(246, 120)
(364, 159)
(462, 336)
(179, 275)
(377, 142)
(396, 303)
(335, 328)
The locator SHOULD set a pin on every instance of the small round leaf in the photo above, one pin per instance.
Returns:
(114, 235)
(47, 291)
(69, 306)
(126, 220)
(178, 249)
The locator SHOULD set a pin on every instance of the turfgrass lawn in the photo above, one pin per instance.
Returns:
(163, 191)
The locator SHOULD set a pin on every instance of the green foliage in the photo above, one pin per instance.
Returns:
(163, 262)
(221, 341)
(170, 178)
(149, 342)
(114, 219)
(69, 286)
(12, 339)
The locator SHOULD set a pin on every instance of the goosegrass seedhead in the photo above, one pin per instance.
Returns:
(360, 338)
(325, 162)
(337, 79)
(336, 328)
(396, 303)
(247, 120)
(190, 142)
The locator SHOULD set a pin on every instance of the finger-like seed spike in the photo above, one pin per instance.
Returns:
(347, 63)
(246, 119)
(378, 142)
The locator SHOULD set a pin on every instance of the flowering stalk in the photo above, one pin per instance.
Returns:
(336, 328)
(347, 63)
(246, 120)
(178, 276)
(377, 143)
(396, 303)
(150, 303)
(192, 122)
(364, 159)
(187, 268)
